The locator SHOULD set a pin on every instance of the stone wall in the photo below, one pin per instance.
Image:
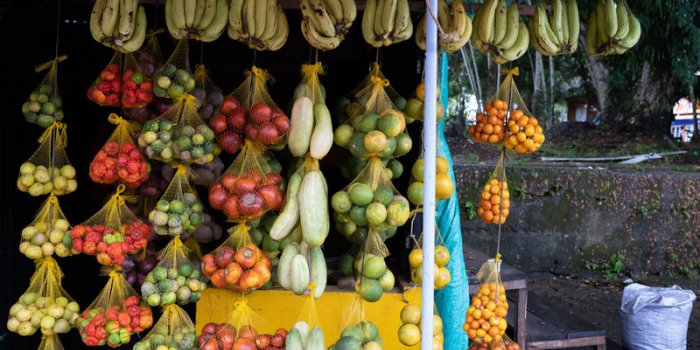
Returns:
(563, 217)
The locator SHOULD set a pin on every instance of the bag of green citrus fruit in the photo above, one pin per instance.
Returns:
(207, 92)
(48, 170)
(44, 105)
(444, 187)
(174, 330)
(44, 305)
(50, 342)
(179, 209)
(48, 233)
(174, 78)
(372, 276)
(442, 258)
(358, 333)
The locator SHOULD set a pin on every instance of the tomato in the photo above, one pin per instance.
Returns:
(223, 256)
(231, 207)
(229, 182)
(217, 197)
(282, 123)
(269, 196)
(245, 185)
(218, 123)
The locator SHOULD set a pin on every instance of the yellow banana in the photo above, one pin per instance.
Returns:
(217, 25)
(198, 14)
(601, 23)
(556, 21)
(634, 34)
(378, 27)
(96, 19)
(459, 17)
(174, 32)
(349, 12)
(550, 32)
(610, 18)
(389, 15)
(282, 33)
(520, 47)
(486, 22)
(316, 39)
(592, 34)
(403, 26)
(420, 33)
(270, 21)
(209, 14)
(335, 10)
(476, 39)
(233, 34)
(623, 22)
(110, 15)
(368, 23)
(139, 35)
(501, 21)
(260, 16)
(512, 26)
(235, 16)
(540, 34)
(564, 23)
(190, 9)
(249, 18)
(443, 14)
(178, 12)
(574, 24)
(323, 18)
(463, 36)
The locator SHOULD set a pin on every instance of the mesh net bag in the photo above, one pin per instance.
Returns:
(48, 170)
(107, 87)
(120, 160)
(244, 330)
(207, 92)
(372, 276)
(44, 306)
(176, 279)
(494, 202)
(444, 186)
(112, 233)
(179, 209)
(410, 331)
(370, 201)
(137, 86)
(48, 233)
(505, 344)
(150, 57)
(237, 263)
(354, 166)
(174, 330)
(174, 78)
(308, 330)
(311, 119)
(310, 85)
(354, 103)
(249, 187)
(179, 135)
(44, 105)
(114, 315)
(442, 258)
(250, 113)
(486, 317)
(203, 174)
(358, 332)
(414, 106)
(51, 342)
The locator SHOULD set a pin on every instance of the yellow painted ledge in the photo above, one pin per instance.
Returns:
(281, 309)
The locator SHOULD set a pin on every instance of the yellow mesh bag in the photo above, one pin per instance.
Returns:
(179, 209)
(48, 170)
(252, 331)
(48, 233)
(308, 329)
(358, 332)
(442, 258)
(111, 233)
(444, 186)
(207, 92)
(51, 342)
(505, 344)
(488, 306)
(494, 201)
(175, 279)
(237, 263)
(137, 86)
(44, 105)
(44, 305)
(370, 201)
(120, 160)
(150, 57)
(179, 135)
(174, 78)
(372, 277)
(414, 106)
(173, 330)
(310, 85)
(249, 187)
(106, 89)
(114, 315)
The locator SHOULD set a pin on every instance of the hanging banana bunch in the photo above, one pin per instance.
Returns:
(386, 22)
(325, 23)
(499, 30)
(119, 24)
(455, 23)
(612, 29)
(558, 34)
(260, 24)
(202, 20)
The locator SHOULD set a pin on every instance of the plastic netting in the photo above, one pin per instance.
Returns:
(311, 125)
(494, 201)
(307, 331)
(376, 132)
(179, 209)
(52, 342)
(44, 105)
(106, 89)
(358, 332)
(120, 160)
(444, 186)
(207, 92)
(442, 273)
(48, 233)
(48, 169)
(174, 78)
(174, 330)
(489, 306)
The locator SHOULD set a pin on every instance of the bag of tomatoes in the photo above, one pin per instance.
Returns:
(44, 105)
(121, 84)
(505, 344)
(207, 92)
(111, 233)
(179, 210)
(175, 279)
(494, 200)
(252, 331)
(238, 263)
(114, 315)
(250, 113)
(249, 187)
(48, 233)
(486, 317)
(179, 135)
(44, 306)
(174, 330)
(48, 170)
(120, 160)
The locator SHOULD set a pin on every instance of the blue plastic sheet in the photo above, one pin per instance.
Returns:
(453, 300)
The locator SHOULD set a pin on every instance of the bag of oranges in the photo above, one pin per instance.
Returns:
(207, 92)
(48, 233)
(494, 201)
(44, 305)
(174, 330)
(120, 160)
(44, 105)
(111, 233)
(174, 79)
(179, 210)
(48, 170)
(114, 315)
(179, 135)
(249, 187)
(486, 317)
(237, 263)
(505, 344)
(442, 258)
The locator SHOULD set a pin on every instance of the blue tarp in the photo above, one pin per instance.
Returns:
(452, 301)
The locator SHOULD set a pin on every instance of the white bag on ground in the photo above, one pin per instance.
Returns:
(655, 318)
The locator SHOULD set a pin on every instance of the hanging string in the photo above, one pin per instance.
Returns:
(55, 89)
(201, 52)
(503, 155)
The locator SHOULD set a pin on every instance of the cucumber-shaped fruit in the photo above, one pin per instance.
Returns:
(299, 275)
(319, 271)
(294, 341)
(285, 221)
(315, 339)
(284, 267)
(322, 136)
(301, 126)
(313, 209)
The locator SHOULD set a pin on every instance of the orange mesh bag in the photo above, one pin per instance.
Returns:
(179, 209)
(494, 202)
(44, 105)
(115, 315)
(249, 112)
(48, 233)
(174, 78)
(207, 92)
(249, 187)
(120, 160)
(486, 317)
(112, 233)
(48, 170)
(174, 331)
(44, 305)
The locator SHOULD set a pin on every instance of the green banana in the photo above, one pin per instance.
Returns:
(335, 9)
(349, 11)
(208, 15)
(249, 18)
(541, 34)
(139, 35)
(127, 15)
(601, 23)
(368, 23)
(512, 27)
(110, 15)
(564, 23)
(260, 16)
(623, 22)
(592, 35)
(403, 27)
(574, 23)
(178, 12)
(556, 21)
(198, 14)
(190, 9)
(501, 22)
(270, 21)
(634, 34)
(316, 39)
(325, 24)
(282, 32)
(388, 16)
(217, 25)
(610, 18)
(520, 47)
(95, 20)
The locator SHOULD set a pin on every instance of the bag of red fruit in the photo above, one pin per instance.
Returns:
(112, 233)
(249, 187)
(106, 89)
(237, 264)
(120, 160)
(250, 112)
(137, 87)
(115, 314)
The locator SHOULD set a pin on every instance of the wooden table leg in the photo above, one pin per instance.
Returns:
(521, 329)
